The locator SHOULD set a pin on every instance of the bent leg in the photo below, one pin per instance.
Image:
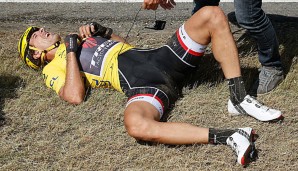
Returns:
(210, 25)
(141, 121)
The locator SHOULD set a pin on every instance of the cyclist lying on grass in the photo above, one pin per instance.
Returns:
(150, 78)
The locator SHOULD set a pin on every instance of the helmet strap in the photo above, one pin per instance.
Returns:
(43, 52)
(52, 47)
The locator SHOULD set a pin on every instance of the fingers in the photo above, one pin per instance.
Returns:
(150, 4)
(153, 4)
(86, 31)
(172, 2)
(167, 4)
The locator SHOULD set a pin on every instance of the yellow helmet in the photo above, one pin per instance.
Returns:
(24, 49)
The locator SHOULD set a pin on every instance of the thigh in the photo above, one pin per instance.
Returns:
(144, 81)
(140, 110)
(185, 49)
(161, 98)
(141, 119)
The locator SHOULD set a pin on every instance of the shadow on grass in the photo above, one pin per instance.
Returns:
(287, 35)
(8, 87)
(210, 73)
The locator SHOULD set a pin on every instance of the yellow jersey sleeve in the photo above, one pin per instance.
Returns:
(54, 73)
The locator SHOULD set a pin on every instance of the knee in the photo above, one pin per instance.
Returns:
(215, 17)
(139, 129)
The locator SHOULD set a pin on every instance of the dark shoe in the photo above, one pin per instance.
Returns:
(269, 78)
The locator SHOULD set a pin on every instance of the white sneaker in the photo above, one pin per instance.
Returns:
(252, 107)
(242, 143)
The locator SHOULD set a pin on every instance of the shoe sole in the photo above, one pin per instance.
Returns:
(266, 93)
(250, 151)
(278, 119)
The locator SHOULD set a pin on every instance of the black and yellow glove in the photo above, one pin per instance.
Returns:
(101, 31)
(71, 43)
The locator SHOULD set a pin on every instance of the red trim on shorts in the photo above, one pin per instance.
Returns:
(186, 48)
(150, 95)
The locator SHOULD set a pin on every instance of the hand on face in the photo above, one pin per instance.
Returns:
(153, 4)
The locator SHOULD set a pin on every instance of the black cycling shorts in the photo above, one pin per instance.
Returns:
(154, 75)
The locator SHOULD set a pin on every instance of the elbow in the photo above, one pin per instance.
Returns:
(75, 101)
(72, 98)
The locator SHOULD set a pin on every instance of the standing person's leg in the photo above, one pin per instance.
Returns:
(250, 16)
(210, 25)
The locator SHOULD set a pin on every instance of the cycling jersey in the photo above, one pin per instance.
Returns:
(151, 75)
(97, 59)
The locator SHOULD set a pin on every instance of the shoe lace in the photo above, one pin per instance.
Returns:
(257, 103)
(244, 133)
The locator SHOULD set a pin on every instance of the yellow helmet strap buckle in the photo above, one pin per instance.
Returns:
(43, 52)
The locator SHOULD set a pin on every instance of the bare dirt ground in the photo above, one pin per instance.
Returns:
(38, 131)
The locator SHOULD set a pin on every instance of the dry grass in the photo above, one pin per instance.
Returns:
(39, 131)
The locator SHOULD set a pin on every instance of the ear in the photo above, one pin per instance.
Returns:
(36, 54)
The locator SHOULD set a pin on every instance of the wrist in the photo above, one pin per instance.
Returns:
(108, 33)
(71, 43)
(70, 54)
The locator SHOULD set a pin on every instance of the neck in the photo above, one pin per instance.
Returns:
(50, 55)
(50, 51)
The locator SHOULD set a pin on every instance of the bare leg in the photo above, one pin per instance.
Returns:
(210, 24)
(142, 122)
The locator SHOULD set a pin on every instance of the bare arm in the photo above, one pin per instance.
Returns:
(73, 90)
(117, 38)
